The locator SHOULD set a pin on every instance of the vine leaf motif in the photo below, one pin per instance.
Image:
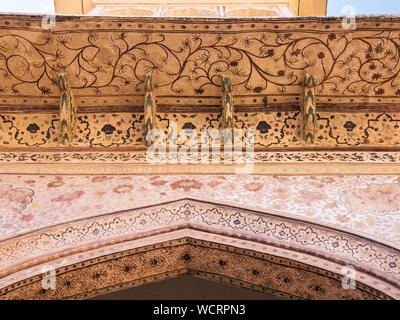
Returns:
(107, 62)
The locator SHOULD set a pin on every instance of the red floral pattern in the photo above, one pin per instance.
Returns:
(186, 185)
(369, 204)
(68, 197)
(14, 200)
(125, 188)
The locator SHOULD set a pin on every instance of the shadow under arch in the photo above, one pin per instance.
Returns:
(278, 255)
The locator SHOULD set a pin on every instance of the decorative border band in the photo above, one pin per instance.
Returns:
(265, 163)
(258, 169)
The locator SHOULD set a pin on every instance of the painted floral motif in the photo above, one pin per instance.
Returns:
(125, 188)
(213, 183)
(364, 253)
(310, 196)
(108, 129)
(360, 63)
(158, 182)
(26, 217)
(14, 200)
(58, 182)
(259, 226)
(100, 179)
(186, 212)
(139, 157)
(237, 221)
(336, 244)
(213, 217)
(307, 236)
(68, 197)
(55, 184)
(379, 199)
(186, 184)
(253, 186)
(391, 262)
(33, 128)
(349, 126)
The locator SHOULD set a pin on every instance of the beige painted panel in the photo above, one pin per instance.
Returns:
(312, 8)
(198, 11)
(68, 7)
(73, 6)
(117, 11)
(189, 3)
(297, 7)
(191, 12)
(294, 6)
(258, 11)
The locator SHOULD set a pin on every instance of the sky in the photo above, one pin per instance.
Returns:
(27, 6)
(335, 7)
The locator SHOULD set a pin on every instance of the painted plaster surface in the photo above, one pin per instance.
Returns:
(257, 271)
(63, 240)
(368, 204)
(200, 235)
(109, 56)
(271, 129)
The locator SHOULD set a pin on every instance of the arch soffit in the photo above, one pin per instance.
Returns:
(324, 247)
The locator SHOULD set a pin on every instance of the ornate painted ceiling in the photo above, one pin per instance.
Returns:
(77, 191)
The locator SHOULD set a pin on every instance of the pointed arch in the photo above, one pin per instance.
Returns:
(242, 232)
